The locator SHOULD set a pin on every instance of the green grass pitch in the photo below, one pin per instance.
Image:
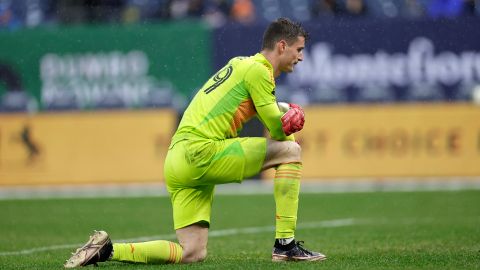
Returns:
(377, 230)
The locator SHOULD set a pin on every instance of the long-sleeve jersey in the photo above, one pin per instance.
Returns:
(231, 97)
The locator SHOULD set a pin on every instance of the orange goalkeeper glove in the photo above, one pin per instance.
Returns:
(293, 119)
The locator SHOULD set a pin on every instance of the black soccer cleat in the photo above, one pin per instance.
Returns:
(98, 249)
(295, 252)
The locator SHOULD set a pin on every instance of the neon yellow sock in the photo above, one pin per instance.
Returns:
(152, 252)
(286, 190)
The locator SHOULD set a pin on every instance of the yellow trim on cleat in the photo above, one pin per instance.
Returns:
(82, 255)
(285, 258)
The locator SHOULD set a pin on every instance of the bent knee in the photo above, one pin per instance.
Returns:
(289, 151)
(195, 255)
(280, 152)
(295, 150)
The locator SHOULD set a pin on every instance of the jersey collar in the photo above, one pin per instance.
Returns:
(260, 58)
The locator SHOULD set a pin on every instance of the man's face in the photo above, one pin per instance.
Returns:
(292, 54)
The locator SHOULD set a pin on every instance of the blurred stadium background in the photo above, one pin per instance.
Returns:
(91, 91)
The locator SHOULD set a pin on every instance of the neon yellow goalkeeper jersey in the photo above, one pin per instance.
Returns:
(228, 100)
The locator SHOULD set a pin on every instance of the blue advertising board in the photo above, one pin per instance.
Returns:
(373, 60)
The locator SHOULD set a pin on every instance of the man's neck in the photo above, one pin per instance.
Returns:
(272, 57)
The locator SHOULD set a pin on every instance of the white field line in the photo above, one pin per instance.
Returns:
(216, 233)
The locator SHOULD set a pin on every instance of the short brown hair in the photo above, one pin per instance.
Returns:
(285, 29)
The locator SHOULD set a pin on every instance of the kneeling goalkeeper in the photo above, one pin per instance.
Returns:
(206, 151)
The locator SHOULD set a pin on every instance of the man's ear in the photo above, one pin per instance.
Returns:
(282, 45)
